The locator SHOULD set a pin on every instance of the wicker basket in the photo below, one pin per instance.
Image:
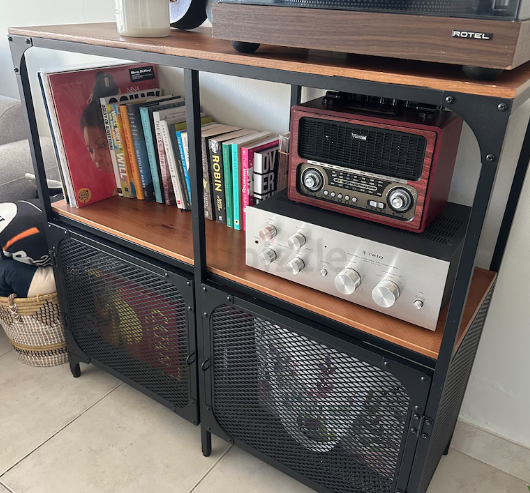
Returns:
(35, 329)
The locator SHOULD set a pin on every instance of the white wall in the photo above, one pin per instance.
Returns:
(498, 396)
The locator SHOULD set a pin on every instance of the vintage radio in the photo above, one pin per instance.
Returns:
(484, 36)
(408, 276)
(385, 161)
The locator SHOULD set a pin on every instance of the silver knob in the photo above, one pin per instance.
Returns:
(296, 265)
(312, 179)
(386, 293)
(268, 232)
(418, 304)
(296, 241)
(347, 281)
(267, 256)
(323, 272)
(399, 200)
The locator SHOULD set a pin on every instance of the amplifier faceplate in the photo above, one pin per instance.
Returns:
(325, 252)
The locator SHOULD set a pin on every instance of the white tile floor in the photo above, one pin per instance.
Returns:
(96, 435)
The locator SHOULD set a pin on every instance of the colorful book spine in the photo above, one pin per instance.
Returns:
(207, 182)
(122, 156)
(151, 154)
(265, 173)
(170, 157)
(122, 170)
(236, 184)
(140, 150)
(227, 173)
(247, 176)
(217, 174)
(283, 161)
(129, 144)
(186, 196)
(183, 161)
(108, 129)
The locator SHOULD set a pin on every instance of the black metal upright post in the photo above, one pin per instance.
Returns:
(193, 119)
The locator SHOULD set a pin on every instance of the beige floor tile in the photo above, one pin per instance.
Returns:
(37, 402)
(459, 473)
(127, 443)
(493, 450)
(240, 472)
(5, 346)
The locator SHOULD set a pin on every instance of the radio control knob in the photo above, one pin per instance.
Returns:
(295, 266)
(312, 179)
(386, 293)
(296, 241)
(399, 200)
(347, 281)
(268, 232)
(267, 256)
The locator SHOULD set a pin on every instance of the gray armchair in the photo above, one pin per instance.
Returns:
(15, 157)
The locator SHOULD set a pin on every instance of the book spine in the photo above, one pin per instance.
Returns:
(129, 145)
(151, 154)
(227, 172)
(184, 165)
(169, 193)
(207, 182)
(122, 156)
(170, 156)
(116, 141)
(140, 151)
(217, 174)
(245, 185)
(283, 161)
(236, 184)
(265, 174)
(108, 130)
(179, 168)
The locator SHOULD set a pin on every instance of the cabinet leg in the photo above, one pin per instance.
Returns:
(75, 369)
(206, 441)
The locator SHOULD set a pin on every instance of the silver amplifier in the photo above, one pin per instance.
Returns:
(405, 275)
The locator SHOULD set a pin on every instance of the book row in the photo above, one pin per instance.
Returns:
(115, 132)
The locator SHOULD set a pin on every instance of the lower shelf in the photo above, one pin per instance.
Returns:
(168, 231)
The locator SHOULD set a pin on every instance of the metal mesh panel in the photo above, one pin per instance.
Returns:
(330, 417)
(453, 394)
(127, 318)
(384, 151)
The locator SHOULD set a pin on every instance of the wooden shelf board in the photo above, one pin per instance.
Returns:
(168, 231)
(200, 44)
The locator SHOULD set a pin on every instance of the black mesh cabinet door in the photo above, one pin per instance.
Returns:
(338, 416)
(130, 316)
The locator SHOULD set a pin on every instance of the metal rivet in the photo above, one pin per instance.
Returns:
(416, 416)
(16, 70)
(413, 430)
(166, 274)
(188, 283)
(9, 38)
(208, 429)
(228, 298)
(417, 409)
(424, 435)
(490, 157)
(428, 422)
(205, 314)
(189, 308)
(423, 379)
(502, 106)
(204, 288)
(208, 408)
(386, 363)
(449, 99)
(28, 41)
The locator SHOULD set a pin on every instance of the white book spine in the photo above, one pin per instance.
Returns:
(171, 162)
(110, 138)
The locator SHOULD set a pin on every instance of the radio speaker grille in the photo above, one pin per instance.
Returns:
(383, 151)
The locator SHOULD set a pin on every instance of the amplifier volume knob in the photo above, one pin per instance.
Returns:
(312, 179)
(386, 293)
(296, 241)
(268, 232)
(400, 200)
(295, 266)
(347, 281)
(267, 256)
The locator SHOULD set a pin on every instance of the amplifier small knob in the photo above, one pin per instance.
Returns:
(312, 179)
(347, 281)
(268, 232)
(418, 304)
(296, 241)
(386, 293)
(295, 266)
(267, 256)
(400, 200)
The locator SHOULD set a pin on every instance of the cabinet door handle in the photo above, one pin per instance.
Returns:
(190, 359)
(205, 364)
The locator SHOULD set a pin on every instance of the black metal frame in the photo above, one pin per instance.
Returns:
(487, 116)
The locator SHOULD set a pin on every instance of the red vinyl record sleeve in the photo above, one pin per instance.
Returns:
(76, 96)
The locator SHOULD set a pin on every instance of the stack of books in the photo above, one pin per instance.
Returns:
(115, 132)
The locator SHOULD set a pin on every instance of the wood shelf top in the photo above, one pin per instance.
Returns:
(168, 231)
(200, 44)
